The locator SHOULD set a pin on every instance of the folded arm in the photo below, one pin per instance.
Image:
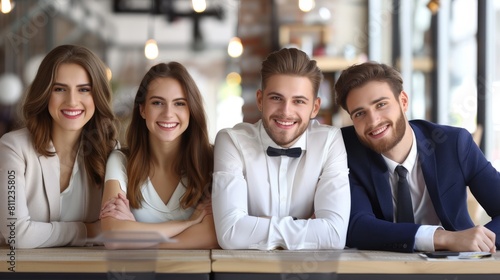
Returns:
(116, 215)
(238, 229)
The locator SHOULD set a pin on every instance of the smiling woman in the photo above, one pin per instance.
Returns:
(71, 104)
(55, 165)
(161, 182)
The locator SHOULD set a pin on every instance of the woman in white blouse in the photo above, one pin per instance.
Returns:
(161, 182)
(52, 171)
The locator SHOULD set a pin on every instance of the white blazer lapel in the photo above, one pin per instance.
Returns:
(51, 174)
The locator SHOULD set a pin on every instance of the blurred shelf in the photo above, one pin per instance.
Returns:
(333, 63)
(423, 63)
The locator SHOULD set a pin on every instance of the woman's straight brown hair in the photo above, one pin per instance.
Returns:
(195, 163)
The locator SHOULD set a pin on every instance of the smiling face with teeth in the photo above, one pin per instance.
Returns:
(165, 110)
(287, 104)
(71, 104)
(379, 119)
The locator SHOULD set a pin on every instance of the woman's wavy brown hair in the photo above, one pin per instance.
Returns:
(98, 136)
(195, 163)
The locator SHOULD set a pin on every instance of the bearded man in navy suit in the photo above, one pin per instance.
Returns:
(440, 162)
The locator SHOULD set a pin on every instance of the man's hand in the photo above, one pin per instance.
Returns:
(476, 239)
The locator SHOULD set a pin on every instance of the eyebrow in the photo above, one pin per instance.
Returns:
(294, 97)
(371, 103)
(161, 98)
(65, 85)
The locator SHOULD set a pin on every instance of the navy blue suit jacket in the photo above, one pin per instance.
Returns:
(450, 161)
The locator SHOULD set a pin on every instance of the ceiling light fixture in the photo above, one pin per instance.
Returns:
(6, 6)
(433, 6)
(235, 47)
(151, 47)
(199, 6)
(306, 5)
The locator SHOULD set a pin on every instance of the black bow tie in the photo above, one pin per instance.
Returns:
(293, 152)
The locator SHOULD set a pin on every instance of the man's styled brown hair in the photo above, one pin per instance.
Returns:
(291, 62)
(358, 75)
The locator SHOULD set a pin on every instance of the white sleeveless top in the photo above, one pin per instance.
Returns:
(153, 209)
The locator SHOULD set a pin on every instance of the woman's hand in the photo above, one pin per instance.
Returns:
(202, 209)
(117, 208)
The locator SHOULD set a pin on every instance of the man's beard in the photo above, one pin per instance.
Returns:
(385, 145)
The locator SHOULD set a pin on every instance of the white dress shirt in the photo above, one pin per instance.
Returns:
(423, 209)
(153, 209)
(255, 197)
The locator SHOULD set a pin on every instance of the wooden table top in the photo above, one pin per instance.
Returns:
(347, 262)
(354, 261)
(98, 259)
(276, 261)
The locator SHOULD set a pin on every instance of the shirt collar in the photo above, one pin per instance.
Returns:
(267, 141)
(410, 160)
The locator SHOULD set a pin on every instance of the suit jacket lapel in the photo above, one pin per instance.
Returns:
(427, 158)
(50, 173)
(380, 177)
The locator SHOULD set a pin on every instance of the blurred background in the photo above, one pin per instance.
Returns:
(447, 51)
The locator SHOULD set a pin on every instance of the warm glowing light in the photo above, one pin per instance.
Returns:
(151, 49)
(109, 74)
(233, 78)
(324, 13)
(199, 6)
(306, 5)
(6, 6)
(433, 6)
(235, 48)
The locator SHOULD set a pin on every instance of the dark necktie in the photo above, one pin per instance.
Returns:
(293, 152)
(404, 208)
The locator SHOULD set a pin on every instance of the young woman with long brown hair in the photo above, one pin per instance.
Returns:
(161, 181)
(52, 171)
